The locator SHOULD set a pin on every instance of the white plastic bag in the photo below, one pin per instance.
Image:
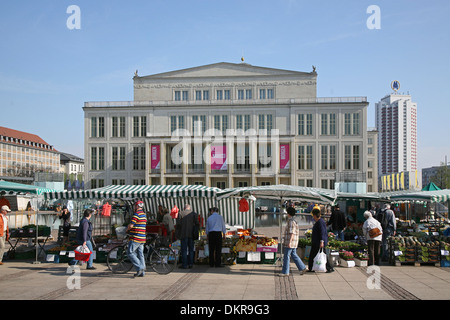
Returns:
(320, 261)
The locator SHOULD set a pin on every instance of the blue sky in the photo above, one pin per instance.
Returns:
(47, 71)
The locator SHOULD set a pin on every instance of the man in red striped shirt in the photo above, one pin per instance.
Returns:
(137, 231)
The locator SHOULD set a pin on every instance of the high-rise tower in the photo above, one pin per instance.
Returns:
(396, 122)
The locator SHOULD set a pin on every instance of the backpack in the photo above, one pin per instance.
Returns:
(382, 218)
(384, 221)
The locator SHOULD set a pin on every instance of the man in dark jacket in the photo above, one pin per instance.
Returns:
(84, 237)
(187, 222)
(319, 239)
(338, 223)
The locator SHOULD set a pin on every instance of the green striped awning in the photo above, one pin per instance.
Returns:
(8, 186)
(431, 196)
(201, 198)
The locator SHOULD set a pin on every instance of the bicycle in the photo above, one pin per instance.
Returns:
(159, 257)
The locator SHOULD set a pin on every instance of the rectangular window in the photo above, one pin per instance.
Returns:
(199, 124)
(118, 127)
(177, 95)
(221, 123)
(115, 127)
(324, 124)
(239, 122)
(309, 157)
(219, 95)
(94, 158)
(176, 122)
(224, 123)
(198, 95)
(185, 95)
(136, 125)
(332, 130)
(347, 124)
(305, 124)
(262, 93)
(347, 157)
(240, 94)
(226, 95)
(356, 157)
(101, 158)
(94, 127)
(101, 127)
(121, 126)
(248, 94)
(217, 122)
(332, 157)
(205, 94)
(351, 124)
(135, 158)
(118, 158)
(270, 94)
(324, 158)
(305, 157)
(309, 124)
(265, 122)
(138, 158)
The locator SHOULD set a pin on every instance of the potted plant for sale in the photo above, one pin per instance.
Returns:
(361, 258)
(346, 259)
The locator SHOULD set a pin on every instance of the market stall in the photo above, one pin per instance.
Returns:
(282, 193)
(424, 240)
(240, 246)
(31, 232)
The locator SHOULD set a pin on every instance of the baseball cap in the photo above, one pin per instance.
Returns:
(6, 208)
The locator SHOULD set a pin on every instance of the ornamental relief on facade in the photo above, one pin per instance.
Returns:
(226, 84)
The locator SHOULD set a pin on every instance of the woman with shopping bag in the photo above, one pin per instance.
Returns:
(319, 240)
(84, 238)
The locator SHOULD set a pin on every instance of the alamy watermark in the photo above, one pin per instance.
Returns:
(74, 20)
(374, 280)
(73, 282)
(374, 20)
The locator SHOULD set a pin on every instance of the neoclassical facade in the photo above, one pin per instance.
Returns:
(226, 125)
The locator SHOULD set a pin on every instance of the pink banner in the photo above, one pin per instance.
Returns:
(155, 156)
(218, 157)
(284, 156)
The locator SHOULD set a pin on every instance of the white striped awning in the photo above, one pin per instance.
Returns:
(136, 191)
(201, 198)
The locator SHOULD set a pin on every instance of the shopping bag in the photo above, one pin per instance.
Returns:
(320, 261)
(82, 253)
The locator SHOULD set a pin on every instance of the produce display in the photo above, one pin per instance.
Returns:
(242, 246)
(418, 247)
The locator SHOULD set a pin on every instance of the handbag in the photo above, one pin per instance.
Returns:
(320, 261)
(375, 232)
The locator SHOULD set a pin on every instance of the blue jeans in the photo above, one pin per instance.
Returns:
(287, 254)
(187, 252)
(136, 255)
(339, 234)
(91, 258)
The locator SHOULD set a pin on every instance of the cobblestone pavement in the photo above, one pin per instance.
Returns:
(26, 280)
